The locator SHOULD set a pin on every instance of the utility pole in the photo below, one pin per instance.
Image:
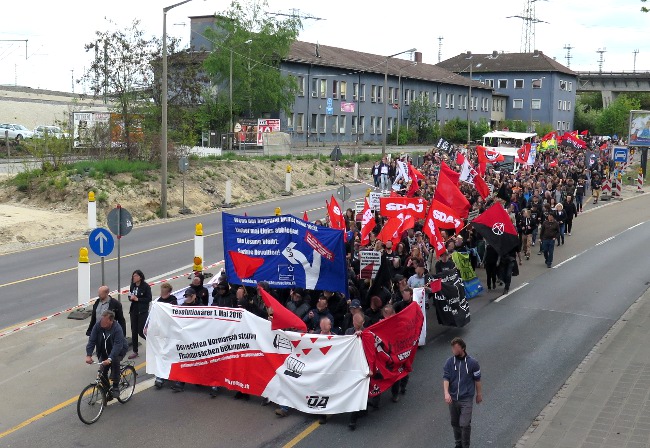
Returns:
(440, 38)
(72, 79)
(635, 53)
(601, 59)
(568, 49)
(528, 19)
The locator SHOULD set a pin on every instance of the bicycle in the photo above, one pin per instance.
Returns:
(94, 397)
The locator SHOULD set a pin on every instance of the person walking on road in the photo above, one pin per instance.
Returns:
(461, 382)
(103, 303)
(140, 298)
(550, 232)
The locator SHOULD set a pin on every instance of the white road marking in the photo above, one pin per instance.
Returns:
(139, 387)
(630, 228)
(565, 261)
(511, 292)
(604, 241)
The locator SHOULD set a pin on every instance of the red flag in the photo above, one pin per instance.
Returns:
(245, 265)
(488, 155)
(415, 175)
(469, 175)
(451, 174)
(390, 346)
(523, 153)
(305, 217)
(335, 214)
(603, 146)
(282, 317)
(585, 132)
(390, 229)
(549, 136)
(448, 193)
(432, 231)
(367, 224)
(443, 216)
(553, 164)
(393, 206)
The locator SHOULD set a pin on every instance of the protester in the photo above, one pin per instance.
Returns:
(103, 303)
(108, 341)
(314, 316)
(550, 232)
(190, 299)
(140, 298)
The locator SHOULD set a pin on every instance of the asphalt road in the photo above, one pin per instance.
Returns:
(45, 278)
(528, 343)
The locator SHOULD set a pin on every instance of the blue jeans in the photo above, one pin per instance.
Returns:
(579, 202)
(548, 246)
(560, 238)
(535, 234)
(384, 182)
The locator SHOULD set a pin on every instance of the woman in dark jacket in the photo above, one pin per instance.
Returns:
(490, 262)
(561, 218)
(571, 212)
(374, 313)
(140, 298)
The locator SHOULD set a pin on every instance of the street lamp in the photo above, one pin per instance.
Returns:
(384, 121)
(231, 128)
(399, 100)
(163, 142)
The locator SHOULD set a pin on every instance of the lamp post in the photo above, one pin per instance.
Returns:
(399, 100)
(384, 121)
(163, 140)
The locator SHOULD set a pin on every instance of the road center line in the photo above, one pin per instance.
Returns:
(604, 241)
(511, 292)
(637, 225)
(565, 261)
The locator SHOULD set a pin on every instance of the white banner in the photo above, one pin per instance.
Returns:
(420, 297)
(231, 347)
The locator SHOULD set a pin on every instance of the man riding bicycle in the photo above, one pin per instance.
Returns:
(107, 339)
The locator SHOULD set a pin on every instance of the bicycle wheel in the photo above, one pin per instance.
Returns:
(91, 403)
(127, 383)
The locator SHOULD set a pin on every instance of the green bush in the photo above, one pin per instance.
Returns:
(112, 167)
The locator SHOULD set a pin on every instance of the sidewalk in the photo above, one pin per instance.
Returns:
(605, 403)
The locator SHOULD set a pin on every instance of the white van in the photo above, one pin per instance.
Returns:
(507, 143)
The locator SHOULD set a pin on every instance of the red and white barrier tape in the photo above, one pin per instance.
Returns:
(83, 305)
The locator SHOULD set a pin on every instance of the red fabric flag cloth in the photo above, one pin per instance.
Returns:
(469, 175)
(497, 229)
(553, 164)
(549, 136)
(305, 217)
(451, 174)
(488, 155)
(585, 132)
(481, 186)
(335, 214)
(522, 153)
(448, 193)
(282, 318)
(367, 223)
(603, 146)
(444, 217)
(415, 175)
(390, 229)
(393, 206)
(390, 346)
(432, 231)
(245, 265)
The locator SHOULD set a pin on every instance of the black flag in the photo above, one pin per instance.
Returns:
(451, 306)
(495, 226)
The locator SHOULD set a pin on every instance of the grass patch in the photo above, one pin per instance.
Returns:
(300, 185)
(112, 167)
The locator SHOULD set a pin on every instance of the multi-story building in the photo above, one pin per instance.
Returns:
(341, 94)
(538, 88)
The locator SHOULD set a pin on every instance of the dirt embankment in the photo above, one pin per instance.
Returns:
(54, 207)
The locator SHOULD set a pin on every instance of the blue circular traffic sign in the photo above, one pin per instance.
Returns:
(101, 241)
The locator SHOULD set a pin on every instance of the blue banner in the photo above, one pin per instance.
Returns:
(284, 251)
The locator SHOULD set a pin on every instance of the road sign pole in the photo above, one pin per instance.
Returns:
(119, 237)
(102, 264)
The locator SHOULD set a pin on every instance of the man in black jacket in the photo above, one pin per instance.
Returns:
(107, 339)
(550, 231)
(103, 303)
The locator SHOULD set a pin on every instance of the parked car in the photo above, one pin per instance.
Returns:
(52, 131)
(17, 132)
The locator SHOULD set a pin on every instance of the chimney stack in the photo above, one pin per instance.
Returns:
(495, 54)
(418, 57)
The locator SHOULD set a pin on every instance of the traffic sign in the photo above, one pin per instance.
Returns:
(329, 110)
(343, 193)
(183, 164)
(329, 102)
(119, 221)
(619, 154)
(101, 242)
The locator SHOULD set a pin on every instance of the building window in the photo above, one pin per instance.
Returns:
(373, 125)
(380, 125)
(300, 123)
(373, 94)
(568, 105)
(563, 84)
(559, 125)
(342, 124)
(323, 124)
(517, 104)
(323, 88)
(451, 104)
(446, 101)
(314, 87)
(493, 103)
(313, 126)
(407, 97)
(564, 104)
(301, 85)
(503, 83)
(427, 97)
(519, 83)
(435, 98)
(559, 105)
(362, 125)
(461, 102)
(413, 96)
(489, 83)
(390, 125)
(380, 94)
(335, 89)
(362, 93)
(537, 83)
(355, 92)
(535, 104)
(355, 124)
(570, 86)
(391, 94)
(343, 89)
(290, 120)
(334, 124)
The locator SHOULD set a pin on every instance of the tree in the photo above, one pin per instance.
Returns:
(643, 8)
(121, 71)
(257, 42)
(614, 119)
(421, 114)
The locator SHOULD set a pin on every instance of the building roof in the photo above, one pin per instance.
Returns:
(505, 62)
(356, 61)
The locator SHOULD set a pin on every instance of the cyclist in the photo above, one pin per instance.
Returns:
(107, 338)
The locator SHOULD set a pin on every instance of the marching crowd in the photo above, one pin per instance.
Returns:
(542, 201)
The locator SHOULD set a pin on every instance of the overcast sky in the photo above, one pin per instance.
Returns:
(57, 31)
